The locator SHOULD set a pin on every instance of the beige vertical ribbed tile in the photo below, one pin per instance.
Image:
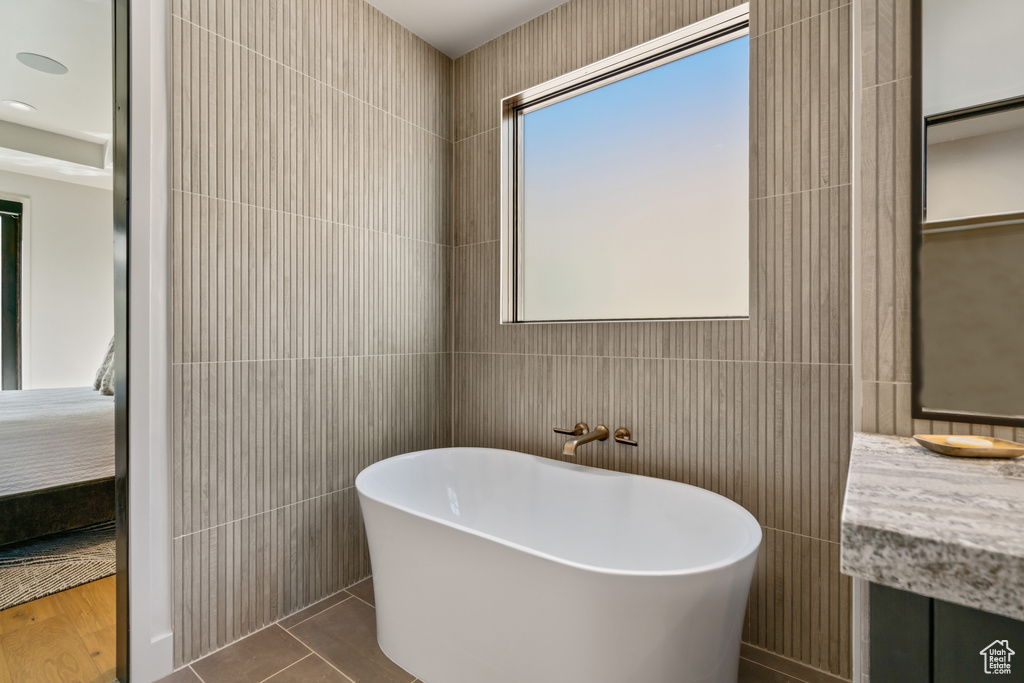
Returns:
(886, 229)
(904, 420)
(278, 178)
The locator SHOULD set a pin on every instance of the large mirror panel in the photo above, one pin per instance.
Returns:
(969, 363)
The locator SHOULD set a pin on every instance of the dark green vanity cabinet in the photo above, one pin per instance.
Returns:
(915, 639)
(948, 526)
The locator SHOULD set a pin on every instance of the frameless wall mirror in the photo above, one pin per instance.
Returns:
(969, 332)
(625, 184)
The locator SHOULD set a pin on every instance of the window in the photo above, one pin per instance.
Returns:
(10, 295)
(626, 184)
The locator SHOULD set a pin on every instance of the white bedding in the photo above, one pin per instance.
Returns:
(52, 437)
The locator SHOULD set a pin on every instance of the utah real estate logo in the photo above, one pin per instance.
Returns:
(997, 657)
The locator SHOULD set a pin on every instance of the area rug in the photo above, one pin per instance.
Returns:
(40, 567)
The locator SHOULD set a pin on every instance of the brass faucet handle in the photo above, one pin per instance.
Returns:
(622, 435)
(580, 429)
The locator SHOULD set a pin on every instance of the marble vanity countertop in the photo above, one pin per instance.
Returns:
(948, 528)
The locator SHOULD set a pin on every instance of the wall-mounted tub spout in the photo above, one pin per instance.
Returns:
(600, 433)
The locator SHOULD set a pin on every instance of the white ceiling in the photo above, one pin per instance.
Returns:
(457, 26)
(76, 33)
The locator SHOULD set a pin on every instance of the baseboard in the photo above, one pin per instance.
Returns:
(761, 666)
(155, 662)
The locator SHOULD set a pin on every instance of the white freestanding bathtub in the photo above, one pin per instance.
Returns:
(492, 566)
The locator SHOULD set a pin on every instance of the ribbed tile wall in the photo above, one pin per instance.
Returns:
(757, 410)
(883, 281)
(311, 211)
(884, 277)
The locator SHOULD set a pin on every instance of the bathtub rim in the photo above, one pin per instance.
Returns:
(753, 526)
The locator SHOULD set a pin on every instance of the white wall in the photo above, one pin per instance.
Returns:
(149, 496)
(68, 304)
(973, 51)
(976, 176)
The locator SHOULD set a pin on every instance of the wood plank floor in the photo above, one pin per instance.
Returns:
(68, 637)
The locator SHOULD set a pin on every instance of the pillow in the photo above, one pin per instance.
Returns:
(104, 382)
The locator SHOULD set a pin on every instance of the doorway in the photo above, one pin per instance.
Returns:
(63, 340)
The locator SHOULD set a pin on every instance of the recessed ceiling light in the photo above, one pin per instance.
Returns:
(42, 63)
(20, 106)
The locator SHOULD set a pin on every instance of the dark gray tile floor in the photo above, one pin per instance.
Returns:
(333, 641)
(364, 591)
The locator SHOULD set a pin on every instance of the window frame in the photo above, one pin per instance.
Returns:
(697, 37)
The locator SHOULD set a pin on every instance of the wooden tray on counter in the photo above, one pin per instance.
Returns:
(1000, 448)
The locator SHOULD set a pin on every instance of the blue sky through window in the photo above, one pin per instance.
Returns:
(650, 170)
